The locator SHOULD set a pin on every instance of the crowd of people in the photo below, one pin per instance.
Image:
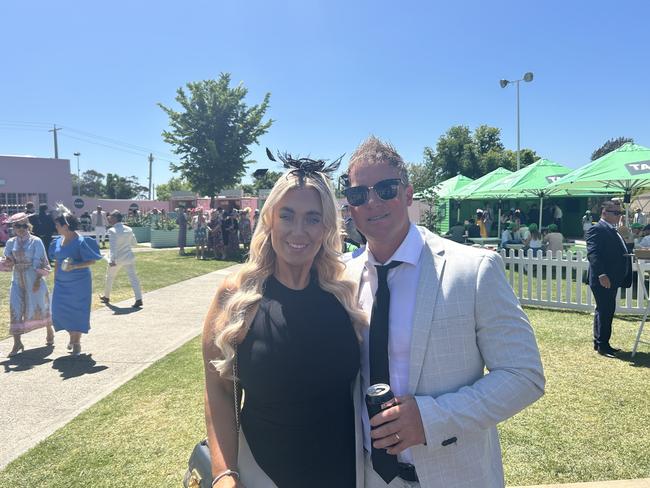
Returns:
(219, 233)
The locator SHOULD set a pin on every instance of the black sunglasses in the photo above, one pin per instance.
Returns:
(20, 226)
(385, 189)
(615, 212)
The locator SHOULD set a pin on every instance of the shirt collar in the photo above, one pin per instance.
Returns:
(407, 252)
(607, 224)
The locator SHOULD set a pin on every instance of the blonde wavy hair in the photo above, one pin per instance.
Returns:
(240, 296)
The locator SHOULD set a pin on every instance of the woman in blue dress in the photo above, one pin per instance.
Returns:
(73, 285)
(29, 300)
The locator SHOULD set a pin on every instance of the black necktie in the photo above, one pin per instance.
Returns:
(383, 463)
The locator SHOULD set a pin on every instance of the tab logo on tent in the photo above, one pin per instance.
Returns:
(638, 168)
(553, 178)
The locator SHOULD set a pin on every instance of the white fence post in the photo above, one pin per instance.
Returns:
(539, 270)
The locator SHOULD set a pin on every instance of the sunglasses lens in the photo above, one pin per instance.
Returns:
(387, 189)
(356, 195)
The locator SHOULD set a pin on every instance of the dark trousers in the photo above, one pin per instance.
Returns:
(605, 308)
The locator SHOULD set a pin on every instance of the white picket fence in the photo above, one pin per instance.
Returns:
(555, 281)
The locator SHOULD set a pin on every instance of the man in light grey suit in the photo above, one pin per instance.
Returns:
(452, 316)
(121, 239)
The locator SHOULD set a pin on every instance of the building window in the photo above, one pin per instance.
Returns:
(42, 198)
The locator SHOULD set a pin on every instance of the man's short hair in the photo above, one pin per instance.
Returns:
(375, 151)
(609, 203)
(117, 215)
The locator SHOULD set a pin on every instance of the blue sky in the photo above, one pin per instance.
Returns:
(337, 72)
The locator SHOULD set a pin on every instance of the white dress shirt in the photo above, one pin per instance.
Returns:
(402, 283)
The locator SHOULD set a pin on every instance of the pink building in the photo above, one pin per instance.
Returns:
(45, 180)
(39, 180)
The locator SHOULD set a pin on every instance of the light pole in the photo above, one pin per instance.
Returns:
(78, 175)
(527, 78)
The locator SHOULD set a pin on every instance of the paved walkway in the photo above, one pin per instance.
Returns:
(43, 389)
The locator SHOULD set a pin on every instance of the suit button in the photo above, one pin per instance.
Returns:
(451, 440)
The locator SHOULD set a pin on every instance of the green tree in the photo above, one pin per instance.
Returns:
(164, 190)
(609, 146)
(459, 151)
(420, 176)
(212, 133)
(92, 183)
(123, 187)
(264, 182)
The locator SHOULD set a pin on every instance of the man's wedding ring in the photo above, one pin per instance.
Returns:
(397, 437)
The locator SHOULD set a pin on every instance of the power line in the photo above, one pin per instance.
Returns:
(20, 123)
(115, 141)
(135, 152)
(25, 129)
(107, 141)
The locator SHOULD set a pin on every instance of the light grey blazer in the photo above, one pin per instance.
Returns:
(467, 319)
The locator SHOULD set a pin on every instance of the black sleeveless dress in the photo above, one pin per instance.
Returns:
(296, 366)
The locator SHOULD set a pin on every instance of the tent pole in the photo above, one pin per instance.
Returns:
(499, 221)
(541, 203)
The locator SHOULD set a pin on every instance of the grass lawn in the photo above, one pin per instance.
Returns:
(592, 424)
(155, 269)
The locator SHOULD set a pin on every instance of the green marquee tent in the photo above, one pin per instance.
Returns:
(536, 180)
(484, 181)
(445, 188)
(624, 170)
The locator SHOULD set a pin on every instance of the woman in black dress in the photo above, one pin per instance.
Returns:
(291, 324)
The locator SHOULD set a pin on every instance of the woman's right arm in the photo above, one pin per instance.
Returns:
(219, 406)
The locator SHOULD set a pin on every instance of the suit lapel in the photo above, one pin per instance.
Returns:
(354, 268)
(431, 264)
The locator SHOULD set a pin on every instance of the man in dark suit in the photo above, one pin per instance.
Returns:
(609, 269)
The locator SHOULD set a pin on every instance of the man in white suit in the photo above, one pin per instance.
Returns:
(452, 315)
(120, 255)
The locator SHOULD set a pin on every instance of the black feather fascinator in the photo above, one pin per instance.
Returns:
(306, 167)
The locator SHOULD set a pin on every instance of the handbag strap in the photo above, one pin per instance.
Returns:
(235, 380)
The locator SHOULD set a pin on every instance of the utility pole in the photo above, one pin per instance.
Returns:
(150, 182)
(56, 144)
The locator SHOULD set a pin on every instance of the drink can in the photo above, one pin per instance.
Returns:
(379, 397)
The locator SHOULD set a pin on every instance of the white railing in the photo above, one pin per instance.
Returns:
(555, 281)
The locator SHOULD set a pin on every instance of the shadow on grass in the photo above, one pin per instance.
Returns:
(640, 359)
(75, 366)
(122, 310)
(28, 359)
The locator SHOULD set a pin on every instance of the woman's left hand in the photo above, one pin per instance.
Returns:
(37, 285)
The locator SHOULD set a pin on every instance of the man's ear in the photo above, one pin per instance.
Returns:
(409, 195)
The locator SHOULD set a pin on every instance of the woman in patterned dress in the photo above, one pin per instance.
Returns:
(29, 302)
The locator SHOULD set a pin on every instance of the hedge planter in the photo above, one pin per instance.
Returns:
(142, 234)
(169, 238)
